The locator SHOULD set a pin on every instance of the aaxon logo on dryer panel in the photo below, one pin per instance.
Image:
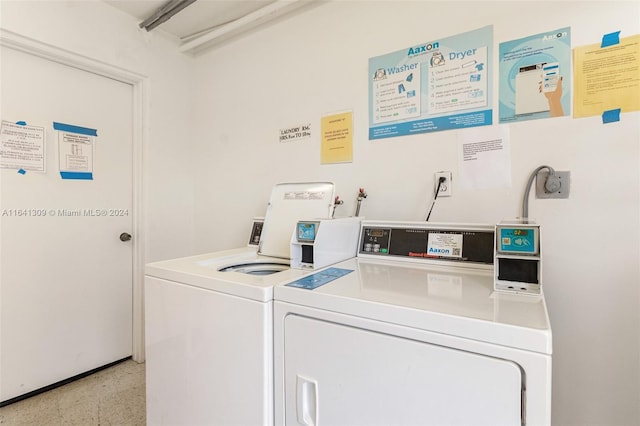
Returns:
(439, 251)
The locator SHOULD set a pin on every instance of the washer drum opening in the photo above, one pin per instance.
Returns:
(256, 268)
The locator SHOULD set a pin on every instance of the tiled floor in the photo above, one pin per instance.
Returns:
(114, 396)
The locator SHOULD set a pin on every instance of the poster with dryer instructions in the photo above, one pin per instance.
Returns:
(439, 85)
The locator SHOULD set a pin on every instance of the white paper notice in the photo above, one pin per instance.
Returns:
(76, 153)
(484, 158)
(22, 147)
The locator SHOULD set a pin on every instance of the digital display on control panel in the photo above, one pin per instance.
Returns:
(454, 245)
(375, 240)
(376, 232)
(306, 231)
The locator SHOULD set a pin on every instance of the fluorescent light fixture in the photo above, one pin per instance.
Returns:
(245, 23)
(164, 13)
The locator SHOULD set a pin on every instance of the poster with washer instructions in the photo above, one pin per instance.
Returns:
(22, 147)
(444, 245)
(443, 84)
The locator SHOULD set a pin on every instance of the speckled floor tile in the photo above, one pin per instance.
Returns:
(115, 396)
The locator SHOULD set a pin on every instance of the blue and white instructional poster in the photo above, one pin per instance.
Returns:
(535, 77)
(440, 85)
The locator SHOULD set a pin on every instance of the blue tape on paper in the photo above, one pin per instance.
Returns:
(77, 175)
(74, 129)
(21, 123)
(320, 278)
(611, 116)
(610, 39)
(22, 171)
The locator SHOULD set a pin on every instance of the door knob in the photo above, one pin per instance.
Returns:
(125, 236)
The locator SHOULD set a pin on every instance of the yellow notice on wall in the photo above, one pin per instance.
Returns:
(337, 138)
(607, 78)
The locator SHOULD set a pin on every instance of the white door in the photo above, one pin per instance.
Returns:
(341, 375)
(66, 277)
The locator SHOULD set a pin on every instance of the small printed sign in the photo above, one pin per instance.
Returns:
(318, 279)
(296, 133)
(444, 245)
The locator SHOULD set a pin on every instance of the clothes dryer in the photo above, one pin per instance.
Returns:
(411, 332)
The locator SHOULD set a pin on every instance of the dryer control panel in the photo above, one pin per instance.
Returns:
(447, 242)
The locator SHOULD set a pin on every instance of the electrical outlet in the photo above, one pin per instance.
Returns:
(562, 182)
(445, 187)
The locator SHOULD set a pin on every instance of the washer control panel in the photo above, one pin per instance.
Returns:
(256, 231)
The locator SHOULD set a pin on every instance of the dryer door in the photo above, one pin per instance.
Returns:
(341, 375)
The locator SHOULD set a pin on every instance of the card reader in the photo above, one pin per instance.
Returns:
(322, 242)
(517, 257)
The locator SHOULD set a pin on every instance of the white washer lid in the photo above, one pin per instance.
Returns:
(289, 203)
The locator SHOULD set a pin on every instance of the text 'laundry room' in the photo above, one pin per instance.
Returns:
(320, 212)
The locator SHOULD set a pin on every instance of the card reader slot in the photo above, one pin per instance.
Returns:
(518, 270)
(307, 254)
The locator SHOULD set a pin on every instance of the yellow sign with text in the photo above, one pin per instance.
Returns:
(337, 138)
(607, 78)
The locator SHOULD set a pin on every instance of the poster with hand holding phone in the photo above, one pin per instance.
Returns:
(535, 77)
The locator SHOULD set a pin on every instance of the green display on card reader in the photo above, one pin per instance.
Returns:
(517, 240)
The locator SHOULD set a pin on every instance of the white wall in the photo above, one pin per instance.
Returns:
(97, 30)
(316, 63)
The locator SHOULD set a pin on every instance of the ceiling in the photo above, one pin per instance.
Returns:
(209, 22)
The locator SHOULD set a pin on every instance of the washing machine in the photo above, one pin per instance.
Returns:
(209, 323)
(411, 332)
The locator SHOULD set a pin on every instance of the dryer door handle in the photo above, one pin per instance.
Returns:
(307, 401)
